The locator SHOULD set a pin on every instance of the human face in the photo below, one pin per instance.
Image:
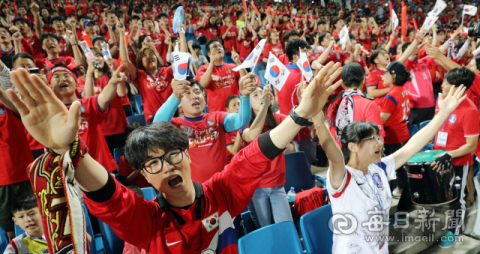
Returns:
(30, 221)
(387, 78)
(147, 41)
(212, 20)
(369, 150)
(148, 25)
(45, 13)
(322, 28)
(340, 24)
(98, 45)
(274, 34)
(216, 48)
(383, 58)
(164, 20)
(446, 87)
(441, 37)
(50, 45)
(58, 25)
(256, 99)
(149, 60)
(326, 40)
(228, 21)
(174, 181)
(99, 59)
(193, 102)
(233, 105)
(5, 36)
(63, 84)
(472, 65)
(90, 28)
(23, 63)
(262, 31)
(21, 11)
(96, 29)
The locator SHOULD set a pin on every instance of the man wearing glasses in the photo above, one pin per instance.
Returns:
(186, 217)
(218, 78)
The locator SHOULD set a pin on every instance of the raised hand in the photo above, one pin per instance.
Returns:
(118, 76)
(235, 56)
(34, 8)
(451, 102)
(267, 95)
(315, 95)
(179, 87)
(17, 37)
(44, 116)
(432, 51)
(247, 84)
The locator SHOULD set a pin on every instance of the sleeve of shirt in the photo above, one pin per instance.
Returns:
(388, 104)
(10, 249)
(115, 204)
(266, 50)
(372, 80)
(124, 168)
(408, 64)
(388, 165)
(93, 102)
(374, 117)
(233, 122)
(470, 124)
(228, 138)
(336, 193)
(5, 80)
(238, 181)
(201, 71)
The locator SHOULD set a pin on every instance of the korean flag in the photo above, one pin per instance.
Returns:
(252, 59)
(180, 65)
(469, 10)
(440, 5)
(304, 66)
(276, 73)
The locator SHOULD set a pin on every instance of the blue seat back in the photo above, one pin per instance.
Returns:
(248, 223)
(93, 247)
(413, 129)
(277, 238)
(112, 243)
(149, 193)
(137, 118)
(423, 124)
(428, 146)
(298, 172)
(138, 104)
(117, 153)
(317, 236)
(18, 230)
(3, 240)
(204, 52)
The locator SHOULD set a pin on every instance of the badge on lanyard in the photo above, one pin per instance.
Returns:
(442, 138)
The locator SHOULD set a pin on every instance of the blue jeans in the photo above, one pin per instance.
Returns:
(269, 206)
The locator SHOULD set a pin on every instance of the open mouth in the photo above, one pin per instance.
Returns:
(30, 226)
(378, 152)
(64, 85)
(175, 182)
(196, 104)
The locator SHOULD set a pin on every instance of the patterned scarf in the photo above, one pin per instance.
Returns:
(52, 179)
(341, 118)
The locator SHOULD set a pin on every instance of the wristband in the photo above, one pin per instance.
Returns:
(78, 150)
(74, 44)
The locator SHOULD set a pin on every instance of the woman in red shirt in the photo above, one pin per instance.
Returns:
(212, 30)
(273, 45)
(269, 203)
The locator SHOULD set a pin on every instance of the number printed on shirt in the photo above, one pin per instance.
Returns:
(406, 109)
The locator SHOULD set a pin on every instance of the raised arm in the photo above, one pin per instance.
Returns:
(167, 110)
(256, 128)
(408, 52)
(129, 66)
(444, 62)
(446, 105)
(89, 89)
(38, 23)
(110, 91)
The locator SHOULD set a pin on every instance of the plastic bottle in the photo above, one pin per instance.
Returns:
(291, 195)
(106, 51)
(86, 49)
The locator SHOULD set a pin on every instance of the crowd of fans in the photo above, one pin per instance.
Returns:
(104, 53)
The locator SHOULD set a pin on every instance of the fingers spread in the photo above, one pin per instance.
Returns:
(73, 120)
(22, 86)
(19, 104)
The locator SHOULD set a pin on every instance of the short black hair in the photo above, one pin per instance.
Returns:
(47, 35)
(159, 135)
(59, 18)
(133, 17)
(401, 79)
(231, 97)
(288, 34)
(375, 54)
(97, 38)
(207, 45)
(335, 21)
(137, 190)
(82, 17)
(137, 10)
(322, 36)
(405, 46)
(321, 22)
(22, 55)
(162, 14)
(460, 76)
(351, 78)
(145, 19)
(6, 28)
(24, 203)
(293, 47)
(21, 19)
(354, 133)
(131, 127)
(239, 13)
(140, 40)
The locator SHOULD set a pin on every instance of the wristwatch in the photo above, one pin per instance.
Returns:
(299, 120)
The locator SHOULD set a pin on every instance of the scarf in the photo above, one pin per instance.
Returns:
(342, 118)
(52, 180)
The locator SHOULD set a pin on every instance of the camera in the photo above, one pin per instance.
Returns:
(474, 31)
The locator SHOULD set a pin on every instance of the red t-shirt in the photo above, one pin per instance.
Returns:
(15, 152)
(473, 93)
(284, 59)
(211, 32)
(207, 144)
(198, 22)
(375, 79)
(43, 63)
(421, 87)
(367, 42)
(335, 34)
(36, 46)
(230, 40)
(276, 175)
(33, 143)
(83, 5)
(65, 51)
(90, 132)
(287, 97)
(276, 49)
(462, 123)
(396, 103)
(244, 48)
(230, 139)
(158, 42)
(223, 83)
(125, 170)
(116, 121)
(154, 90)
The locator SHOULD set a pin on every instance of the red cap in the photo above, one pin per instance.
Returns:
(60, 68)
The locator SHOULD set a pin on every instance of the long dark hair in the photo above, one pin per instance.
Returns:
(354, 133)
(270, 119)
(105, 69)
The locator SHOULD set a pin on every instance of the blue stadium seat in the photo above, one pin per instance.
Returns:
(412, 129)
(317, 237)
(423, 124)
(204, 50)
(117, 153)
(3, 240)
(93, 243)
(248, 223)
(112, 243)
(137, 118)
(428, 146)
(298, 174)
(149, 193)
(277, 238)
(18, 230)
(138, 102)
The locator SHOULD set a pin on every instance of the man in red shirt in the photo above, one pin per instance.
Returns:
(23, 25)
(186, 216)
(50, 43)
(459, 137)
(58, 23)
(217, 77)
(337, 24)
(159, 40)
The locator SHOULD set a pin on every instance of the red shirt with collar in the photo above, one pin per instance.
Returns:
(396, 103)
(276, 49)
(124, 169)
(230, 40)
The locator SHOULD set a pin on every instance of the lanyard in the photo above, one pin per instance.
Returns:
(376, 193)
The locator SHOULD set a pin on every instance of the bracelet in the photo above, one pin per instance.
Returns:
(74, 44)
(78, 150)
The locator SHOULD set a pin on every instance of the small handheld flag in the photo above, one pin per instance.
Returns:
(180, 65)
(276, 73)
(252, 59)
(304, 66)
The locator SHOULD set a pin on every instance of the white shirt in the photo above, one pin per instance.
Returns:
(358, 195)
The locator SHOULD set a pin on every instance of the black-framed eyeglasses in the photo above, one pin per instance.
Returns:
(375, 139)
(155, 165)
